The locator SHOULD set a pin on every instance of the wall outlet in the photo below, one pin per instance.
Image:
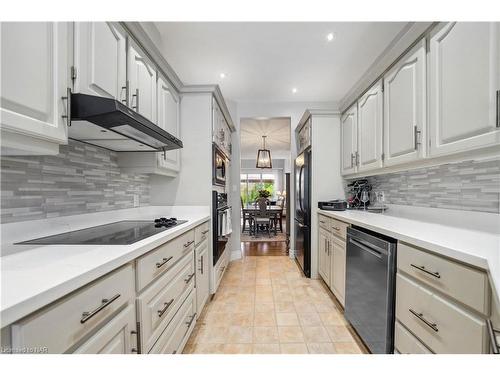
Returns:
(136, 200)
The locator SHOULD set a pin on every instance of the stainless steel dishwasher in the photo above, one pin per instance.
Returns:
(370, 287)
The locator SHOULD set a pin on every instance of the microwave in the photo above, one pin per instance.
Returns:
(220, 167)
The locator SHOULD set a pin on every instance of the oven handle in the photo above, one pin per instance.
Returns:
(372, 251)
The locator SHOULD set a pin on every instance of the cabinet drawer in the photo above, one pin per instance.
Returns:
(159, 303)
(325, 223)
(220, 268)
(201, 233)
(465, 284)
(441, 325)
(175, 336)
(406, 343)
(156, 262)
(66, 322)
(119, 336)
(339, 228)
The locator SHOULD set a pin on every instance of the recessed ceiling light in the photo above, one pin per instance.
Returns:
(330, 37)
(222, 75)
(294, 90)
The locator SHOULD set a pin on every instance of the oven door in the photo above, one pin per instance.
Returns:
(219, 167)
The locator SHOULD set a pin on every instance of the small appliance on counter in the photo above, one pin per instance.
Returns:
(333, 205)
(359, 194)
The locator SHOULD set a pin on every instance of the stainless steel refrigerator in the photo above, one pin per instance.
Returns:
(303, 211)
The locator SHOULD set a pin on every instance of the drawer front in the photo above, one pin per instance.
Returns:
(156, 262)
(325, 222)
(465, 284)
(339, 228)
(116, 337)
(201, 233)
(220, 268)
(174, 337)
(406, 343)
(441, 325)
(202, 277)
(63, 324)
(159, 302)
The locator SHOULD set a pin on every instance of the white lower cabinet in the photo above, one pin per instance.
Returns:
(464, 67)
(202, 265)
(406, 343)
(35, 79)
(119, 336)
(324, 266)
(338, 255)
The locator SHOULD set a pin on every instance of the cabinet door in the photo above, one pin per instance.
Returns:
(464, 65)
(168, 119)
(100, 59)
(34, 80)
(116, 337)
(142, 83)
(349, 126)
(338, 268)
(324, 255)
(370, 117)
(202, 279)
(405, 109)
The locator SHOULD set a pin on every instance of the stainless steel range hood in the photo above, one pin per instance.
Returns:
(107, 123)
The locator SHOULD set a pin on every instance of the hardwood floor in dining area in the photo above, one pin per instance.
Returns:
(264, 305)
(269, 248)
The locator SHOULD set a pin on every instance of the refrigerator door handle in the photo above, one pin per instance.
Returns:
(300, 188)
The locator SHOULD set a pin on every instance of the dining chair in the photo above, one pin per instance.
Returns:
(278, 217)
(262, 218)
(246, 216)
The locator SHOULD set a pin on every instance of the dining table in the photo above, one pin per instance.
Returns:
(251, 208)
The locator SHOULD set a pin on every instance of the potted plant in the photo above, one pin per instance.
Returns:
(264, 193)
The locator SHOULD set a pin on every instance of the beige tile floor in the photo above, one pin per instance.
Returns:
(265, 306)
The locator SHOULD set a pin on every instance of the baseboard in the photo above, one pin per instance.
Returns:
(235, 255)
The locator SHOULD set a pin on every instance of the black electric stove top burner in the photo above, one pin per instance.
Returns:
(118, 233)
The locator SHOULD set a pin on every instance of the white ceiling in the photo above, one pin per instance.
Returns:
(264, 61)
(277, 131)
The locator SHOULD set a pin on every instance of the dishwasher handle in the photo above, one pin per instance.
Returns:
(366, 248)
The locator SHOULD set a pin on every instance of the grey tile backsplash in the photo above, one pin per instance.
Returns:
(470, 185)
(80, 179)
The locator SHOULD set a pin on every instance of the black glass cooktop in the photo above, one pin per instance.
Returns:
(119, 233)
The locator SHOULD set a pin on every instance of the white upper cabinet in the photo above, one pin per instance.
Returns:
(34, 82)
(142, 82)
(168, 119)
(349, 126)
(405, 108)
(100, 60)
(370, 117)
(464, 64)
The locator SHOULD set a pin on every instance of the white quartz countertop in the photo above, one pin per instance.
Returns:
(471, 246)
(38, 275)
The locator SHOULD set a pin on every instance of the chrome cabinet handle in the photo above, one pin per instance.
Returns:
(104, 303)
(495, 347)
(205, 231)
(167, 305)
(416, 136)
(189, 278)
(336, 228)
(163, 262)
(201, 264)
(191, 320)
(420, 316)
(125, 89)
(136, 96)
(322, 222)
(352, 160)
(174, 352)
(498, 108)
(67, 115)
(357, 158)
(423, 269)
(187, 244)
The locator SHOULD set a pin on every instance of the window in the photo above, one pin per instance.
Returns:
(251, 183)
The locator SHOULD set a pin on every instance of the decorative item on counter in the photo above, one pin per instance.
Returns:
(355, 193)
(379, 205)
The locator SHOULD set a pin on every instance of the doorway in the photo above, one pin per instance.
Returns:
(265, 192)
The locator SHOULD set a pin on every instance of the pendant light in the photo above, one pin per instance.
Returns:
(264, 156)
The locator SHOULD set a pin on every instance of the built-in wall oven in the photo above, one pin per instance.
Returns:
(370, 287)
(221, 222)
(220, 167)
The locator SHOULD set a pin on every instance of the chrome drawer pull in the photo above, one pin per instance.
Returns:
(105, 302)
(167, 305)
(495, 347)
(322, 222)
(174, 352)
(191, 320)
(201, 264)
(205, 231)
(336, 228)
(189, 278)
(422, 268)
(163, 262)
(187, 244)
(420, 316)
